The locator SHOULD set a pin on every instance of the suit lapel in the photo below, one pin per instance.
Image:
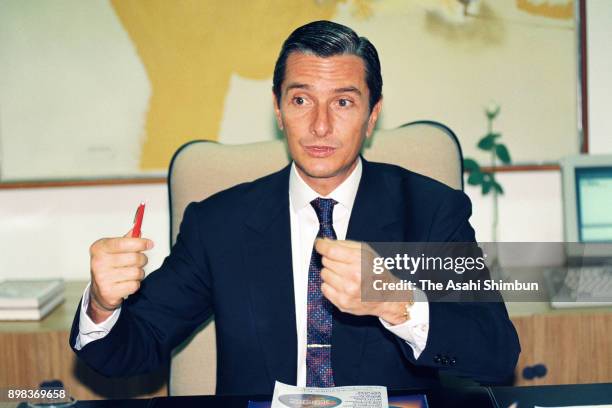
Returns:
(376, 217)
(267, 255)
(377, 212)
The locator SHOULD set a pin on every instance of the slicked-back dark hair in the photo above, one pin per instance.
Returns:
(326, 39)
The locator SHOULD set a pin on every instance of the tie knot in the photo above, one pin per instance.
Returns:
(324, 207)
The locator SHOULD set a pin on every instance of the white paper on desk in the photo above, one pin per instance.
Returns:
(341, 397)
(580, 406)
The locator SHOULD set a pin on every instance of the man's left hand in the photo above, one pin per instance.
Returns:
(341, 276)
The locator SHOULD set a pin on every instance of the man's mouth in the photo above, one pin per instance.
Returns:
(319, 151)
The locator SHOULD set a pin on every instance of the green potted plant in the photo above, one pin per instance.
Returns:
(485, 178)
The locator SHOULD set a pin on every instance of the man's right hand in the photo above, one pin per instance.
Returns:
(116, 272)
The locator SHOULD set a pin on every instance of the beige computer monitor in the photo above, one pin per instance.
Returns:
(587, 205)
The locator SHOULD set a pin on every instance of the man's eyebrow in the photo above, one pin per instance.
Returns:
(348, 89)
(296, 85)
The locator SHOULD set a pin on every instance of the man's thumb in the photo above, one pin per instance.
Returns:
(150, 243)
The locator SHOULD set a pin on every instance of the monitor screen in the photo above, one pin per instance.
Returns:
(594, 203)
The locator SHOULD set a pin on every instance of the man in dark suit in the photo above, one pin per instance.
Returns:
(284, 310)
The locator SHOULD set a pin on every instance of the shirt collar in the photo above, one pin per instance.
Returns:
(301, 194)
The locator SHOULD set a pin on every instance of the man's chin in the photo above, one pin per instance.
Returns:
(321, 171)
(317, 170)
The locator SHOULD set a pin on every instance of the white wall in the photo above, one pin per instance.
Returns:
(599, 21)
(74, 92)
(48, 231)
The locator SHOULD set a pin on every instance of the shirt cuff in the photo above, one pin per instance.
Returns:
(415, 330)
(88, 330)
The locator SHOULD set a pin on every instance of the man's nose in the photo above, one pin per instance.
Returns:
(321, 125)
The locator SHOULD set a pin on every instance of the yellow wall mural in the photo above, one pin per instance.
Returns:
(111, 88)
(190, 50)
(563, 10)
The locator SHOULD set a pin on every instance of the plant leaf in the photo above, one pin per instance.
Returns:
(502, 153)
(476, 177)
(487, 183)
(470, 165)
(488, 141)
(497, 186)
(486, 187)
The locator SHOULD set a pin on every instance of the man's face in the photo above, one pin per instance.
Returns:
(324, 113)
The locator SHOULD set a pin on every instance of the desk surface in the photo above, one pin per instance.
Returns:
(553, 395)
(60, 319)
(473, 397)
(537, 274)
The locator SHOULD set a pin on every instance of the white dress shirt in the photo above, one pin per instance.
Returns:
(304, 229)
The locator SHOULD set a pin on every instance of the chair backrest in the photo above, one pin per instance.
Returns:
(200, 169)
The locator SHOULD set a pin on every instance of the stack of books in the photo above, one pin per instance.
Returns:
(29, 299)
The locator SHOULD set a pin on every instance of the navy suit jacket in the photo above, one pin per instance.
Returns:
(233, 258)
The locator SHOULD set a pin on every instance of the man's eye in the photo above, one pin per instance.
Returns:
(298, 100)
(344, 102)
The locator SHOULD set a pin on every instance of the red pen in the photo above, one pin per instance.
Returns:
(138, 220)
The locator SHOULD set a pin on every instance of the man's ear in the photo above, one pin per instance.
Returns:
(374, 117)
(277, 112)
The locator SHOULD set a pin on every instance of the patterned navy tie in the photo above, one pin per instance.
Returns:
(318, 350)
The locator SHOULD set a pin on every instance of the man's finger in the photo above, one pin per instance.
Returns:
(350, 244)
(330, 293)
(128, 274)
(129, 259)
(332, 279)
(341, 268)
(363, 248)
(125, 244)
(334, 251)
(126, 288)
